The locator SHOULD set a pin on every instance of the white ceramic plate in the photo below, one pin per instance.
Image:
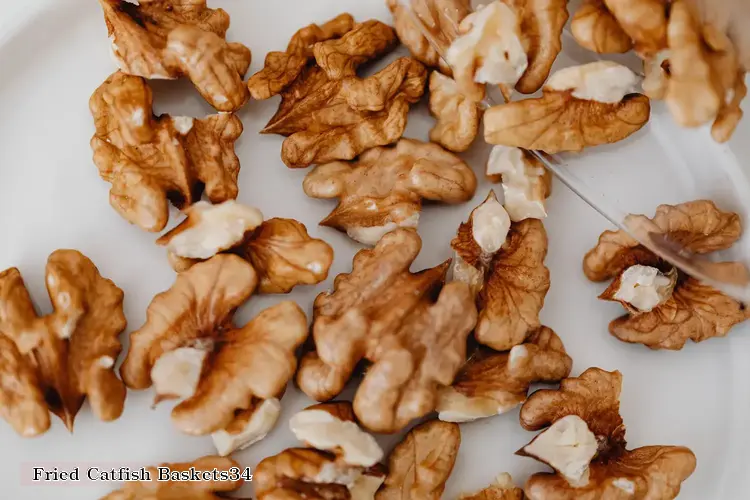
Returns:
(54, 54)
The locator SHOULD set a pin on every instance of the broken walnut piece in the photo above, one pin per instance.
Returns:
(151, 161)
(280, 250)
(414, 336)
(503, 263)
(582, 106)
(52, 363)
(502, 488)
(492, 383)
(595, 28)
(664, 310)
(457, 117)
(584, 441)
(384, 188)
(327, 120)
(159, 39)
(419, 466)
(526, 183)
(189, 349)
(155, 489)
(339, 58)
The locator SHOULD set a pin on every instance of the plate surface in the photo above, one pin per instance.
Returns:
(51, 197)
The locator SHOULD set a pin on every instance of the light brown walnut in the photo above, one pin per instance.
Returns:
(341, 57)
(52, 363)
(153, 160)
(595, 28)
(457, 117)
(503, 488)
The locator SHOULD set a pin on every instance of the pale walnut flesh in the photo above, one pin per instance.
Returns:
(151, 161)
(383, 190)
(502, 488)
(668, 308)
(248, 427)
(492, 383)
(526, 183)
(280, 250)
(584, 441)
(582, 106)
(457, 116)
(223, 370)
(414, 337)
(52, 363)
(170, 39)
(421, 463)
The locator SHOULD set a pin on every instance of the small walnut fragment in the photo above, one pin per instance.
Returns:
(151, 161)
(173, 38)
(327, 120)
(595, 28)
(503, 488)
(526, 183)
(421, 463)
(584, 441)
(492, 383)
(189, 349)
(211, 489)
(339, 58)
(503, 262)
(280, 250)
(384, 188)
(52, 363)
(666, 307)
(457, 117)
(414, 336)
(582, 106)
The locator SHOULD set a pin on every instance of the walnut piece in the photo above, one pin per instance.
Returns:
(327, 120)
(526, 183)
(169, 39)
(503, 262)
(152, 160)
(280, 250)
(384, 188)
(421, 463)
(492, 383)
(666, 308)
(212, 489)
(339, 58)
(457, 116)
(189, 349)
(383, 313)
(582, 106)
(503, 488)
(584, 441)
(595, 28)
(52, 363)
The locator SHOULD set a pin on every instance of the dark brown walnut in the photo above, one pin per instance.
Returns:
(412, 331)
(666, 307)
(503, 488)
(422, 462)
(385, 187)
(282, 68)
(595, 28)
(584, 441)
(159, 39)
(327, 120)
(153, 160)
(52, 363)
(340, 58)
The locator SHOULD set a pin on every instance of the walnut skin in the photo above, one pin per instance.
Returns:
(384, 188)
(689, 311)
(339, 58)
(457, 117)
(280, 250)
(52, 363)
(502, 488)
(182, 490)
(595, 28)
(593, 400)
(327, 120)
(421, 463)
(189, 349)
(152, 160)
(173, 38)
(385, 314)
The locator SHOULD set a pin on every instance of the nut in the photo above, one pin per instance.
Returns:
(582, 106)
(155, 489)
(502, 488)
(492, 383)
(584, 441)
(666, 308)
(52, 363)
(150, 160)
(189, 349)
(384, 188)
(169, 39)
(339, 58)
(280, 250)
(526, 183)
(283, 68)
(421, 463)
(248, 427)
(507, 273)
(327, 120)
(385, 314)
(595, 28)
(457, 116)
